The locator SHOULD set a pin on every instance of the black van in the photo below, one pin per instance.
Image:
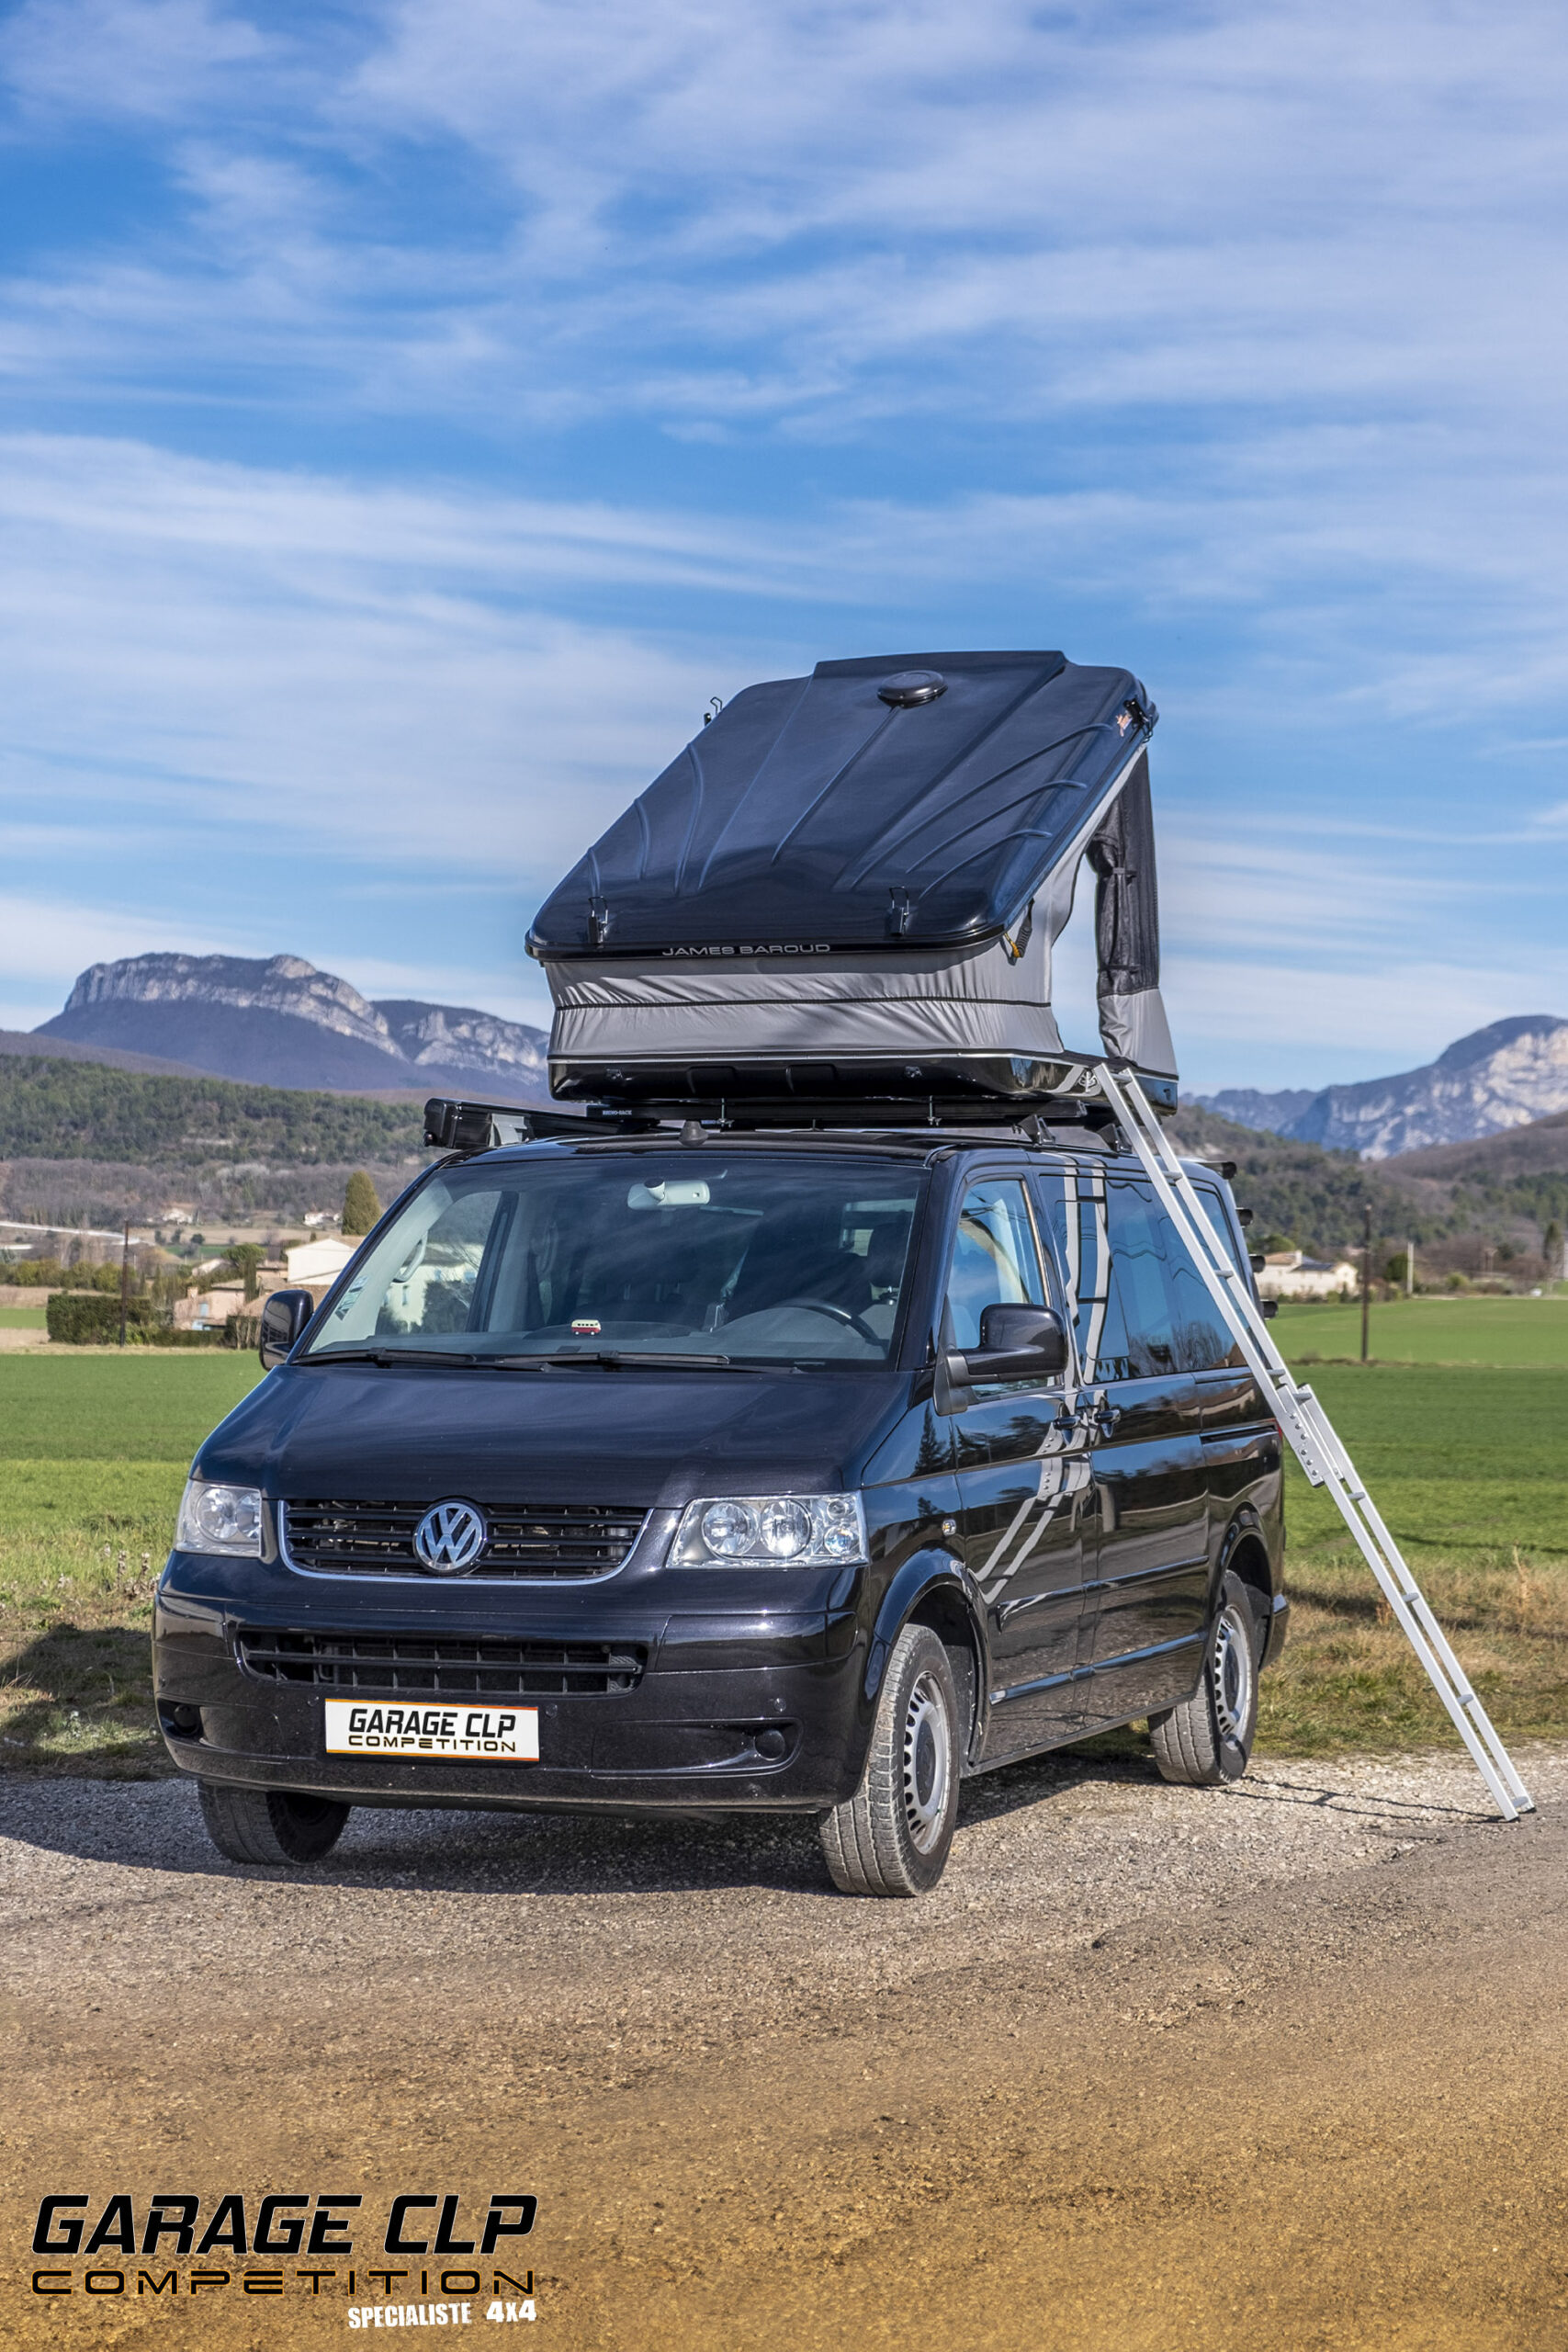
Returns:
(663, 1468)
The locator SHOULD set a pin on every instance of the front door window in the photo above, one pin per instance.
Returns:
(995, 1262)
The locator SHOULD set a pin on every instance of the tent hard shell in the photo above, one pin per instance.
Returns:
(850, 884)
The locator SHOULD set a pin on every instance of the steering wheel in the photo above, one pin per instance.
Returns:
(839, 1313)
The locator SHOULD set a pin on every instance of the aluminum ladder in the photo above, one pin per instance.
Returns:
(1311, 1435)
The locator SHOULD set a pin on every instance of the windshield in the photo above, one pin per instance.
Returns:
(685, 1253)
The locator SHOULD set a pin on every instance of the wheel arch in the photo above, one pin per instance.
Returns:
(1245, 1556)
(929, 1590)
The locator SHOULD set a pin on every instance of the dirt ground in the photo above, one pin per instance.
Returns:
(1281, 2066)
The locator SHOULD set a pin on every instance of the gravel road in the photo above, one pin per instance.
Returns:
(1280, 2063)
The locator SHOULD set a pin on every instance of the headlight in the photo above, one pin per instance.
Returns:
(220, 1518)
(779, 1531)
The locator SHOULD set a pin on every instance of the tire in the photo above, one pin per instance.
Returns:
(1209, 1737)
(270, 1825)
(893, 1835)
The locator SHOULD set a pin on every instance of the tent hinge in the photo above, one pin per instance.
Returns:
(897, 913)
(1015, 946)
(598, 922)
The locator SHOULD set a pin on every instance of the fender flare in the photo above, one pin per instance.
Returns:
(925, 1572)
(1246, 1525)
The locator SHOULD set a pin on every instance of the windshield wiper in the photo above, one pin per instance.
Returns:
(393, 1355)
(617, 1358)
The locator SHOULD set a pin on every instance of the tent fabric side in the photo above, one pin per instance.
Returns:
(697, 1010)
(1126, 926)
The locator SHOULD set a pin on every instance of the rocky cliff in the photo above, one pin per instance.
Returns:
(279, 1022)
(1504, 1076)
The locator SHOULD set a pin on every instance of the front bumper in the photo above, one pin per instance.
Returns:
(735, 1708)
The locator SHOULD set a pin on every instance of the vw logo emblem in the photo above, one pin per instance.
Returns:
(450, 1538)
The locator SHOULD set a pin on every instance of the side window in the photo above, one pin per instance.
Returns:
(1202, 1342)
(1073, 1203)
(1140, 1336)
(994, 1260)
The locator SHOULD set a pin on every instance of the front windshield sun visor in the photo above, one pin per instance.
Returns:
(707, 1259)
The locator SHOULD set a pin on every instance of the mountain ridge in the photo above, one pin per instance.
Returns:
(1510, 1074)
(280, 1021)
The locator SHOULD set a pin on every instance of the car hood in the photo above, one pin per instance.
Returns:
(648, 1438)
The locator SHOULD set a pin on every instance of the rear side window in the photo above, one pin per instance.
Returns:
(1147, 1310)
(1201, 1337)
(1139, 1335)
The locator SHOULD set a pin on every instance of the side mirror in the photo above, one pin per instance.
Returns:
(283, 1319)
(1016, 1343)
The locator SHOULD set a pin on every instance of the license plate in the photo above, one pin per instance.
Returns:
(464, 1734)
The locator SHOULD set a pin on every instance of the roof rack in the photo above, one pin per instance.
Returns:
(1074, 1102)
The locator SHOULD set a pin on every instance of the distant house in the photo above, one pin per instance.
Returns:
(1291, 1273)
(209, 1310)
(313, 1264)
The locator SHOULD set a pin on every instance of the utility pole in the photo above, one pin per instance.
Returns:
(1367, 1284)
(1410, 1269)
(124, 1284)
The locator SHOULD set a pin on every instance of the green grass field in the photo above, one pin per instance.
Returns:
(22, 1318)
(1432, 1330)
(94, 1452)
(1469, 1465)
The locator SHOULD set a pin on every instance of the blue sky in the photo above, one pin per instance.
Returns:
(414, 414)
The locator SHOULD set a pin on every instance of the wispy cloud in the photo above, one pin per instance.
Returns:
(790, 213)
(419, 408)
(149, 59)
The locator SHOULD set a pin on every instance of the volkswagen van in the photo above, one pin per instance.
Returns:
(673, 1469)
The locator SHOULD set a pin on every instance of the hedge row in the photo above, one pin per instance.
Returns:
(88, 1319)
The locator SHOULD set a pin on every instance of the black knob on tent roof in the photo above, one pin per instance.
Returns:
(908, 687)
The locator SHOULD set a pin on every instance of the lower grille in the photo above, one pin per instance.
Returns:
(388, 1662)
(339, 1538)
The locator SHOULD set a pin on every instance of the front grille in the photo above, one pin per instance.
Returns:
(386, 1662)
(335, 1538)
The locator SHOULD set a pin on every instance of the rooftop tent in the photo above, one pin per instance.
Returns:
(851, 883)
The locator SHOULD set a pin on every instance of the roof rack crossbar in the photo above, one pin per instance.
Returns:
(454, 1125)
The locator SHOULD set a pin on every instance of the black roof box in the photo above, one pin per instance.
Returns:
(892, 802)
